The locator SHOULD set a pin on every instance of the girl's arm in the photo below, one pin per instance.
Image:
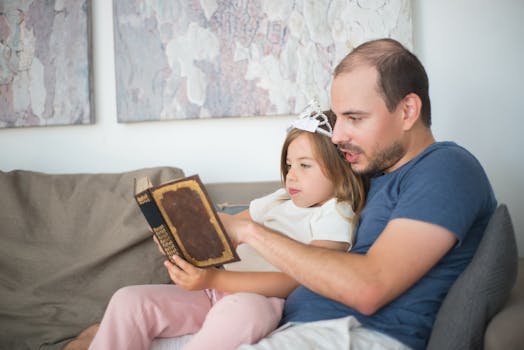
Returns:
(270, 284)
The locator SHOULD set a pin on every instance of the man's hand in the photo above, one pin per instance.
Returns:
(237, 226)
(189, 277)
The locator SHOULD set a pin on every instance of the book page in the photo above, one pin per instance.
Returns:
(142, 184)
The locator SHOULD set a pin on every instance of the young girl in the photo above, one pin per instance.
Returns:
(319, 205)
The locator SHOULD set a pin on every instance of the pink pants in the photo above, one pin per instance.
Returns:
(137, 314)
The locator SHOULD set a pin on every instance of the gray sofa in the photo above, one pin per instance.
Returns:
(69, 241)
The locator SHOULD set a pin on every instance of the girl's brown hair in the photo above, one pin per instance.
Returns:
(348, 186)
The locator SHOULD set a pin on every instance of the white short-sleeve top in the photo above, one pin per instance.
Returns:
(330, 221)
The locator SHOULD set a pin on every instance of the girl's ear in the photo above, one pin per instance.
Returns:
(411, 108)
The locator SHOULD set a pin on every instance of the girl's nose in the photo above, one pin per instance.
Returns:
(291, 176)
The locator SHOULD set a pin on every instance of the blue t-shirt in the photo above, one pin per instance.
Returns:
(444, 185)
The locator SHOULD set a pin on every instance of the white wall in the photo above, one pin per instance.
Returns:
(472, 51)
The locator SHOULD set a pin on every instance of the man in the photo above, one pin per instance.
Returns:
(428, 205)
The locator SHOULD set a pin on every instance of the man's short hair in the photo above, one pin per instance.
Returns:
(399, 72)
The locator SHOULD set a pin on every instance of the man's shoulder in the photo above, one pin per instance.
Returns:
(449, 178)
(446, 157)
(447, 149)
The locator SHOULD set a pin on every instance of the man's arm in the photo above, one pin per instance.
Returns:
(270, 284)
(403, 253)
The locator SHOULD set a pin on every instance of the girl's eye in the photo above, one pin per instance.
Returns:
(303, 165)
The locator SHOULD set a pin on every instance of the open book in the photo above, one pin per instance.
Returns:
(185, 221)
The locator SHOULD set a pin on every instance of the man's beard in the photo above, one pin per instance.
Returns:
(383, 160)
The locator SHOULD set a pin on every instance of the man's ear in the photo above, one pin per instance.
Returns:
(411, 108)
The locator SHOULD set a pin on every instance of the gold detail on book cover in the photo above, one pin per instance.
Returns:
(143, 198)
(165, 241)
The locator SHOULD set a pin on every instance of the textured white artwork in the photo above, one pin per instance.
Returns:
(44, 63)
(211, 58)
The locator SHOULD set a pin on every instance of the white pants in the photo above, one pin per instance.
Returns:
(343, 333)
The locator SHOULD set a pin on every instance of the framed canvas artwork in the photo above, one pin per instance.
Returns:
(45, 63)
(207, 59)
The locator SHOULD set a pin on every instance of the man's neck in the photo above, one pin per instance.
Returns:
(416, 143)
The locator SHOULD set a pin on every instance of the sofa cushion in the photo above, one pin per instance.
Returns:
(239, 193)
(480, 291)
(68, 243)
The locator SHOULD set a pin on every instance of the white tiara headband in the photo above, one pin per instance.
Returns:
(311, 119)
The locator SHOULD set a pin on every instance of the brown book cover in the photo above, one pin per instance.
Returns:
(185, 221)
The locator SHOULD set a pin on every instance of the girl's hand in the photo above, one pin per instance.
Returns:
(189, 277)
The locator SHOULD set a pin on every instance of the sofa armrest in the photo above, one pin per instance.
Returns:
(504, 330)
(69, 241)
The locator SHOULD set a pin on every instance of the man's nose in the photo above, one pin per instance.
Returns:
(340, 134)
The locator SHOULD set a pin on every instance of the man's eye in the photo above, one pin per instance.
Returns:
(354, 119)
